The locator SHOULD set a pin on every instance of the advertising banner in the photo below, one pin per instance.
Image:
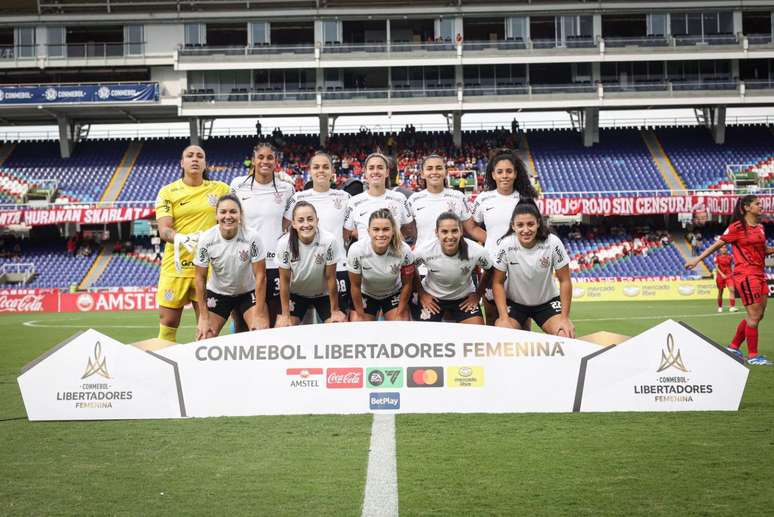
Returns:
(94, 377)
(19, 302)
(644, 290)
(43, 217)
(79, 93)
(409, 367)
(669, 367)
(106, 301)
(644, 205)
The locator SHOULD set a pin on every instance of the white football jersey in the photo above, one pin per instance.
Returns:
(380, 274)
(425, 207)
(331, 207)
(308, 269)
(230, 260)
(450, 278)
(494, 210)
(264, 208)
(530, 271)
(363, 205)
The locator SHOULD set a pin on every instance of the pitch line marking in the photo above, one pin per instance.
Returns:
(381, 490)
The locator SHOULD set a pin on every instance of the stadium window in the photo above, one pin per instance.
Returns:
(756, 22)
(678, 24)
(444, 29)
(134, 36)
(25, 41)
(725, 22)
(693, 24)
(259, 33)
(516, 28)
(55, 41)
(195, 34)
(656, 24)
(331, 30)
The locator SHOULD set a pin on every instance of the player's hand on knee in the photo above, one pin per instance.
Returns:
(429, 303)
(469, 303)
(505, 322)
(283, 321)
(566, 328)
(337, 317)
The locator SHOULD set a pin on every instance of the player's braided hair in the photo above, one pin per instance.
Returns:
(274, 150)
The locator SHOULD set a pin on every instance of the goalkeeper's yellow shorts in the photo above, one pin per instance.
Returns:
(174, 291)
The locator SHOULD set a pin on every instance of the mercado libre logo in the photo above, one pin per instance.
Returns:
(465, 376)
(384, 377)
(97, 364)
(424, 377)
(304, 377)
(670, 358)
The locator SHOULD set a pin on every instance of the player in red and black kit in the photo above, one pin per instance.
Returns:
(748, 242)
(723, 279)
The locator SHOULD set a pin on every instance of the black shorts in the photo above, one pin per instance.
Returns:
(451, 306)
(372, 306)
(342, 282)
(272, 285)
(540, 313)
(222, 304)
(300, 304)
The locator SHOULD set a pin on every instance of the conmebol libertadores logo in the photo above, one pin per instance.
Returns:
(671, 359)
(98, 365)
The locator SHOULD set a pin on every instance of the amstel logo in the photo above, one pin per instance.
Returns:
(98, 365)
(671, 359)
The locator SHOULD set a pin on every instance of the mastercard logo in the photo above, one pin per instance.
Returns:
(425, 377)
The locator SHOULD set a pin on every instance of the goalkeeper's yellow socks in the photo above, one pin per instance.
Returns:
(168, 333)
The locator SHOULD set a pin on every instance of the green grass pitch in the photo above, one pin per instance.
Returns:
(519, 464)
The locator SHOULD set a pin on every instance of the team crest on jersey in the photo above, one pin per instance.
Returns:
(278, 197)
(318, 258)
(244, 255)
(465, 270)
(394, 269)
(169, 294)
(450, 205)
(545, 262)
(338, 203)
(213, 199)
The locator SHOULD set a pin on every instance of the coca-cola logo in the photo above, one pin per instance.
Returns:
(26, 303)
(84, 302)
(344, 378)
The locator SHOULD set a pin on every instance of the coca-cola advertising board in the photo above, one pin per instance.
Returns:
(21, 302)
(411, 367)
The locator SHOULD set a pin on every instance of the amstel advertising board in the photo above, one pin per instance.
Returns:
(407, 367)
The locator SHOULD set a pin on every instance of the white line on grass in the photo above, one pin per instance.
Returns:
(36, 324)
(381, 490)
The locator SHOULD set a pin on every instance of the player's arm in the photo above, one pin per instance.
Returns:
(283, 320)
(259, 271)
(426, 300)
(498, 293)
(473, 230)
(166, 230)
(203, 328)
(333, 294)
(355, 286)
(691, 263)
(565, 296)
(407, 280)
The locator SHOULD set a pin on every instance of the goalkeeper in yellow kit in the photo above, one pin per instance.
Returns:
(183, 209)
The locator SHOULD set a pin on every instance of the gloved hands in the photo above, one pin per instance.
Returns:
(187, 241)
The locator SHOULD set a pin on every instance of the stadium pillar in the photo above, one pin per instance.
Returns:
(457, 129)
(718, 122)
(324, 125)
(590, 126)
(65, 136)
(193, 124)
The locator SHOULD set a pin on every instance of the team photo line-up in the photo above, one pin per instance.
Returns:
(262, 254)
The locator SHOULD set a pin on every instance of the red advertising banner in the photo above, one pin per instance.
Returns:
(42, 217)
(29, 302)
(645, 205)
(109, 301)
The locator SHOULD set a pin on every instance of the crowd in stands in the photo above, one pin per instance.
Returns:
(624, 242)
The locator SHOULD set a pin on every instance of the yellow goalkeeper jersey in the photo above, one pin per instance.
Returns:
(193, 210)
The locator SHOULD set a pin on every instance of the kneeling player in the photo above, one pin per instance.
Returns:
(381, 271)
(451, 261)
(238, 280)
(529, 255)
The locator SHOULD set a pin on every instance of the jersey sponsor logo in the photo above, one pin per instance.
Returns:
(245, 198)
(424, 377)
(253, 250)
(488, 208)
(420, 208)
(184, 203)
(202, 254)
(361, 214)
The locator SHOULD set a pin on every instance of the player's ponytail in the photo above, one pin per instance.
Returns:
(462, 250)
(528, 207)
(739, 212)
(293, 233)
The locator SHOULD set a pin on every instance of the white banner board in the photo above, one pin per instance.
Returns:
(669, 367)
(406, 367)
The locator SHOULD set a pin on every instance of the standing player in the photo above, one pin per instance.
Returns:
(237, 262)
(723, 274)
(264, 200)
(381, 270)
(529, 254)
(307, 258)
(747, 238)
(448, 285)
(331, 207)
(426, 205)
(377, 196)
(183, 209)
(506, 182)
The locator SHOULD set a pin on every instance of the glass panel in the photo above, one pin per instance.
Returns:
(446, 29)
(693, 22)
(678, 24)
(193, 34)
(516, 27)
(25, 41)
(657, 24)
(134, 35)
(259, 33)
(710, 23)
(56, 41)
(726, 22)
(331, 31)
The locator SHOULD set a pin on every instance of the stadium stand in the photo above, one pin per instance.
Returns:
(53, 265)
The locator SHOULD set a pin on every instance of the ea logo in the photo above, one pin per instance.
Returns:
(84, 303)
(50, 94)
(103, 93)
